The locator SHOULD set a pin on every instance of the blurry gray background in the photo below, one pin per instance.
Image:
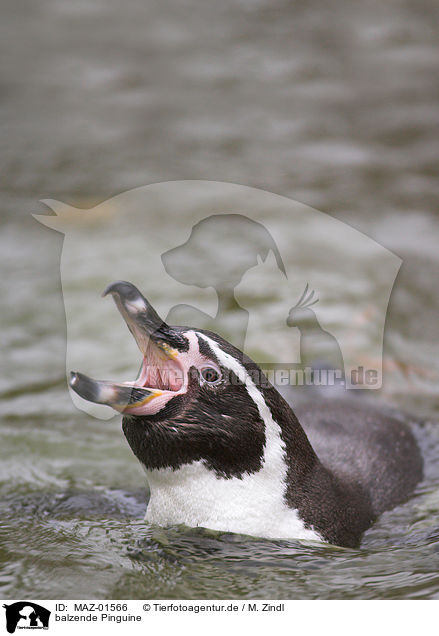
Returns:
(333, 104)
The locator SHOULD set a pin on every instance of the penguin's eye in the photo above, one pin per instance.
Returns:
(210, 375)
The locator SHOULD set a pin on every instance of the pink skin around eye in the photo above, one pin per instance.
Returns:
(172, 373)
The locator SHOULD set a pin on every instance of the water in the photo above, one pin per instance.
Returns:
(336, 107)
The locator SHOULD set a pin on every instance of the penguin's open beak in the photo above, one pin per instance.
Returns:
(160, 345)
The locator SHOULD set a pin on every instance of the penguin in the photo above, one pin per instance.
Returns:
(223, 450)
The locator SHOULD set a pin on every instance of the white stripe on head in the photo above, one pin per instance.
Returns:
(272, 429)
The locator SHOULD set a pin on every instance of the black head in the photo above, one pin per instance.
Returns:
(196, 398)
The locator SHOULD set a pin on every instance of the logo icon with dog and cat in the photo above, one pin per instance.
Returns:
(26, 615)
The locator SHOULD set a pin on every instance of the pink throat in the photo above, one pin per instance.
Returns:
(166, 375)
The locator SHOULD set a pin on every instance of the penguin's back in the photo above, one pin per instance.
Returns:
(361, 445)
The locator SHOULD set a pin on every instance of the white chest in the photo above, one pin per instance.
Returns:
(253, 505)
